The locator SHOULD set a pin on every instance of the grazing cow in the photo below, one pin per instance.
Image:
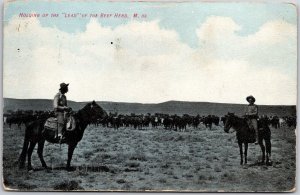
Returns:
(275, 122)
(196, 121)
(154, 121)
(223, 119)
(180, 123)
(282, 122)
(215, 120)
(208, 121)
(291, 121)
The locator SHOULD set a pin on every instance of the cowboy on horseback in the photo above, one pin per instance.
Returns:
(252, 115)
(61, 109)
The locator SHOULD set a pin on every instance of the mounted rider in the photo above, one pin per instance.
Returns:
(251, 113)
(61, 109)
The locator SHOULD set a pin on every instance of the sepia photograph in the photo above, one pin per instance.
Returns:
(149, 96)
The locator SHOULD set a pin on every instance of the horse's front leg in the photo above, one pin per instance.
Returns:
(241, 151)
(70, 154)
(268, 151)
(30, 150)
(262, 147)
(40, 153)
(245, 153)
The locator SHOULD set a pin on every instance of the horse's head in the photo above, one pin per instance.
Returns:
(229, 120)
(94, 111)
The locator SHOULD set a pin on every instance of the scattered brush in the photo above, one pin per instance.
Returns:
(180, 138)
(88, 154)
(138, 157)
(217, 169)
(120, 181)
(106, 156)
(68, 186)
(188, 175)
(162, 180)
(209, 159)
(165, 166)
(126, 186)
(26, 187)
(228, 176)
(202, 179)
(132, 164)
(211, 178)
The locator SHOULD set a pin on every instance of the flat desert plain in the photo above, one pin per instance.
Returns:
(154, 159)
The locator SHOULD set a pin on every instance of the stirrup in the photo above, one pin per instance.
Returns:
(62, 139)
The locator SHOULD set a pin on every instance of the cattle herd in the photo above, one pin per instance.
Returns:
(142, 121)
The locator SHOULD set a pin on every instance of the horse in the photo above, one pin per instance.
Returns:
(36, 134)
(245, 135)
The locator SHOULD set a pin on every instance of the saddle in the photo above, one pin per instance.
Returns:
(52, 124)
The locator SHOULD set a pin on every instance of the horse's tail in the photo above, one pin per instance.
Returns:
(23, 154)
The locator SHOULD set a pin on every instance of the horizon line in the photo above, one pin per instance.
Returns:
(154, 103)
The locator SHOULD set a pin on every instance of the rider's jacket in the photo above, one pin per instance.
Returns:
(251, 111)
(60, 100)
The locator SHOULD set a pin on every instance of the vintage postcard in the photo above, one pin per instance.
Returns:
(187, 96)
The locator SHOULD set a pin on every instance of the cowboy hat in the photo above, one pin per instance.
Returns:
(250, 97)
(63, 85)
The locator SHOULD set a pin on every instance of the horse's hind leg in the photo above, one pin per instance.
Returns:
(245, 153)
(241, 152)
(262, 147)
(40, 153)
(30, 150)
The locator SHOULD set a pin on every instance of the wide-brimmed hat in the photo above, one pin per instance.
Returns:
(250, 97)
(63, 85)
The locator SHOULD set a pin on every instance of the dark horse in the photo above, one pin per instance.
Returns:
(245, 135)
(35, 134)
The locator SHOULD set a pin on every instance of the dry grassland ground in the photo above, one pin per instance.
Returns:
(153, 159)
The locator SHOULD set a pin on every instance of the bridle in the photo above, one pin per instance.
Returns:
(230, 126)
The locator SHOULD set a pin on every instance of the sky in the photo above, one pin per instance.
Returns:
(191, 51)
